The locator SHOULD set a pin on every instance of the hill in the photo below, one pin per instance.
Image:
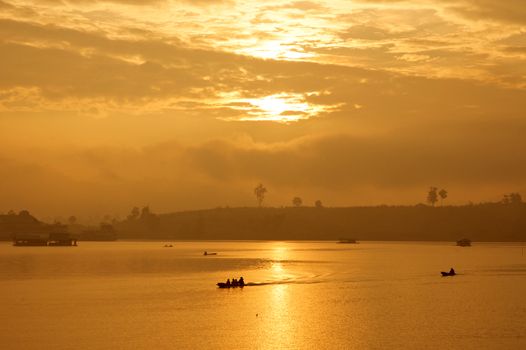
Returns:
(483, 222)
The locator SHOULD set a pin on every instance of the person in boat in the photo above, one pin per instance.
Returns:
(241, 281)
(452, 272)
(228, 282)
(234, 282)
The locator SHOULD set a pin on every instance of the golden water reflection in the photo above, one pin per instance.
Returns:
(280, 329)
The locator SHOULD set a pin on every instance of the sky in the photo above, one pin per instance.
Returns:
(181, 104)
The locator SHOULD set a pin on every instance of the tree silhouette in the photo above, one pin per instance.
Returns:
(432, 196)
(145, 212)
(260, 191)
(512, 198)
(443, 195)
(72, 220)
(515, 198)
(297, 202)
(134, 213)
(318, 204)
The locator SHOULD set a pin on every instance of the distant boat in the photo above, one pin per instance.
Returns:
(450, 273)
(348, 240)
(464, 242)
(207, 253)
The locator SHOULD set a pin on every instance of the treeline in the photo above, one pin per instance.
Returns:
(504, 221)
(481, 222)
(23, 222)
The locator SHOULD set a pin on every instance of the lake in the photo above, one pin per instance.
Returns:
(303, 295)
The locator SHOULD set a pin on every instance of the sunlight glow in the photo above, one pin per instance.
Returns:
(282, 108)
(278, 104)
(276, 50)
(277, 269)
(280, 253)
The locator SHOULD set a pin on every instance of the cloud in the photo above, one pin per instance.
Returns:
(135, 2)
(53, 68)
(511, 11)
(368, 32)
(4, 5)
(339, 167)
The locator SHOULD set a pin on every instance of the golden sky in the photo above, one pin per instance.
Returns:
(190, 104)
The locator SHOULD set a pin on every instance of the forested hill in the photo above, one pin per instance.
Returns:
(483, 222)
(23, 222)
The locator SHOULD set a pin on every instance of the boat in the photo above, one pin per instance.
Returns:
(235, 283)
(207, 253)
(348, 241)
(224, 285)
(450, 273)
(464, 242)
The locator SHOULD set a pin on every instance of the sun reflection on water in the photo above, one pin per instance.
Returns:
(280, 328)
(279, 254)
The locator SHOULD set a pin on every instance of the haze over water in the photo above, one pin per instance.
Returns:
(301, 295)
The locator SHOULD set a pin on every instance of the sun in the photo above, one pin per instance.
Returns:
(280, 108)
(277, 104)
(284, 107)
(277, 50)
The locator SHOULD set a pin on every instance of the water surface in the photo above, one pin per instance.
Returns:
(303, 295)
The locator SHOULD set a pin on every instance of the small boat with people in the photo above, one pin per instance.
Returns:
(235, 283)
(450, 273)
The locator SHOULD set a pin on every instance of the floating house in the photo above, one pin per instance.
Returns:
(44, 239)
(31, 239)
(62, 239)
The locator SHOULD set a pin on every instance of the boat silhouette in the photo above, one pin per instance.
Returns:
(234, 284)
(450, 273)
